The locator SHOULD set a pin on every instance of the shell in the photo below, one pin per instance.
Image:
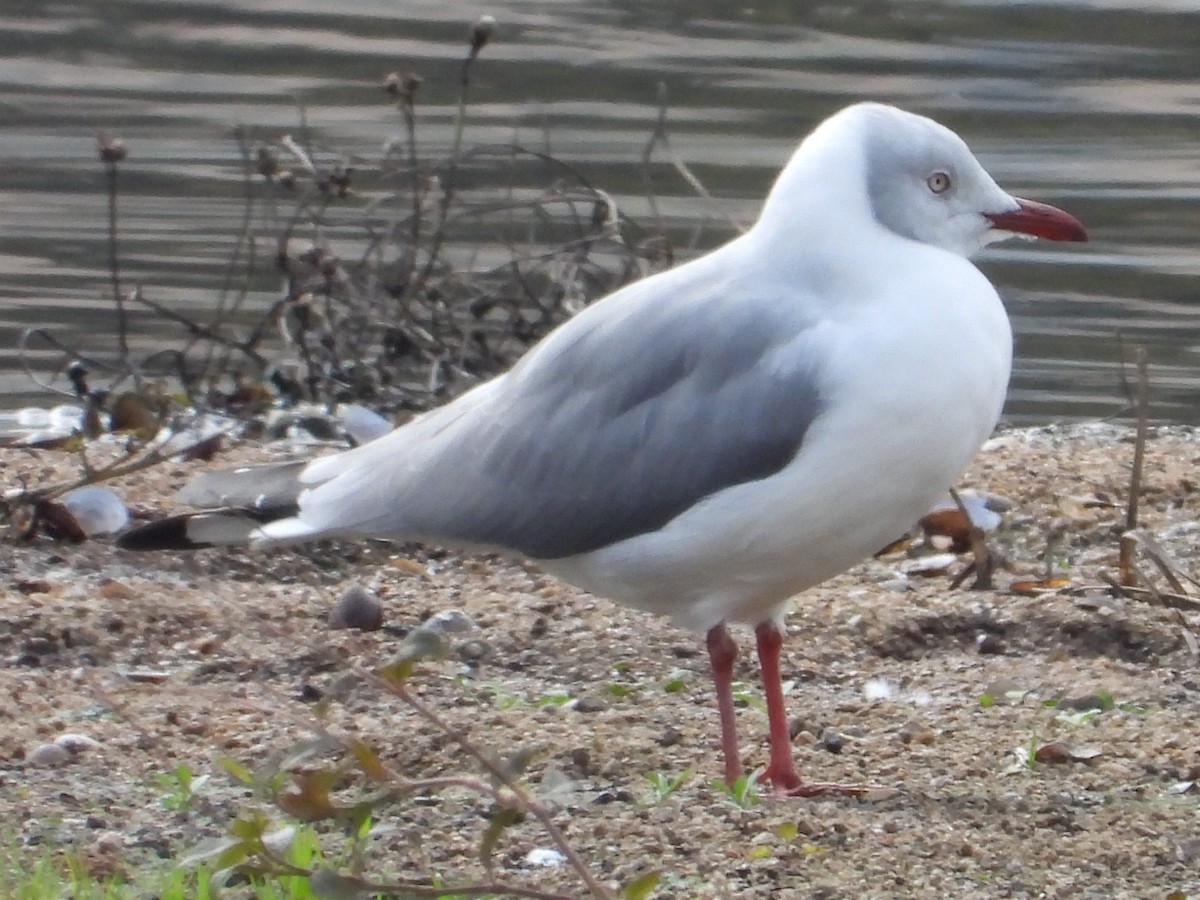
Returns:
(97, 510)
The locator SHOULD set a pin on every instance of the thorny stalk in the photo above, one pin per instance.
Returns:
(1127, 571)
(112, 153)
(983, 564)
(480, 34)
(502, 776)
(134, 460)
(660, 137)
(243, 244)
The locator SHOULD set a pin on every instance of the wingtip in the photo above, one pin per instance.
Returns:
(164, 534)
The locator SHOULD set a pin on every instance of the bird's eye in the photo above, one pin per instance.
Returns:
(939, 182)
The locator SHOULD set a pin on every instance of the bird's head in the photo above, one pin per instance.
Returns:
(924, 183)
(915, 178)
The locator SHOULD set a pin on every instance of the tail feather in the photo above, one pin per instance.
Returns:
(194, 531)
(274, 486)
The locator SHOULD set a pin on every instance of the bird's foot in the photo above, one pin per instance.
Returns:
(828, 788)
(788, 782)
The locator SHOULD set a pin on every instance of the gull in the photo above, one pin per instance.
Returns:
(708, 442)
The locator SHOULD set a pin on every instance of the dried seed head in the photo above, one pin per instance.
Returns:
(481, 32)
(112, 150)
(77, 374)
(402, 84)
(286, 178)
(313, 256)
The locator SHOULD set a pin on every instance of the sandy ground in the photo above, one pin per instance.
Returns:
(168, 659)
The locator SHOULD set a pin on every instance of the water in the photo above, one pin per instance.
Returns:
(1091, 105)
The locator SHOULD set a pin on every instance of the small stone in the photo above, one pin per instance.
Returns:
(581, 759)
(49, 755)
(539, 628)
(1084, 703)
(147, 676)
(589, 705)
(990, 645)
(613, 795)
(450, 621)
(41, 645)
(75, 743)
(832, 740)
(310, 693)
(474, 650)
(670, 737)
(357, 608)
(95, 822)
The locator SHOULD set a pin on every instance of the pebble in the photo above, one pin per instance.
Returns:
(97, 510)
(832, 740)
(357, 608)
(49, 755)
(544, 857)
(989, 645)
(474, 650)
(450, 621)
(670, 737)
(75, 743)
(589, 705)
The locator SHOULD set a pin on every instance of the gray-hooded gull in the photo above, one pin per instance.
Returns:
(710, 441)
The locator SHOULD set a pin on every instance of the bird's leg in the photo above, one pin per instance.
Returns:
(781, 770)
(722, 652)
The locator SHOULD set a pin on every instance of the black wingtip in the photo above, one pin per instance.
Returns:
(165, 534)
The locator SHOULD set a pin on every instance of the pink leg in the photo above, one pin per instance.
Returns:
(781, 771)
(722, 652)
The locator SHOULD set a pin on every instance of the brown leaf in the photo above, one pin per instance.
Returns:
(949, 523)
(1039, 586)
(1064, 752)
(308, 798)
(136, 414)
(58, 523)
(368, 760)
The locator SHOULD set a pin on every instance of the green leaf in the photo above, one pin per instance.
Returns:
(215, 849)
(986, 700)
(237, 770)
(787, 831)
(641, 887)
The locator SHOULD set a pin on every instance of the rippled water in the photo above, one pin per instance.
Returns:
(1094, 106)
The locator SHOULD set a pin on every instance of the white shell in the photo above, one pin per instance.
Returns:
(97, 509)
(67, 417)
(33, 417)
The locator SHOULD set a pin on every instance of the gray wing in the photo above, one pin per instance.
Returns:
(618, 426)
